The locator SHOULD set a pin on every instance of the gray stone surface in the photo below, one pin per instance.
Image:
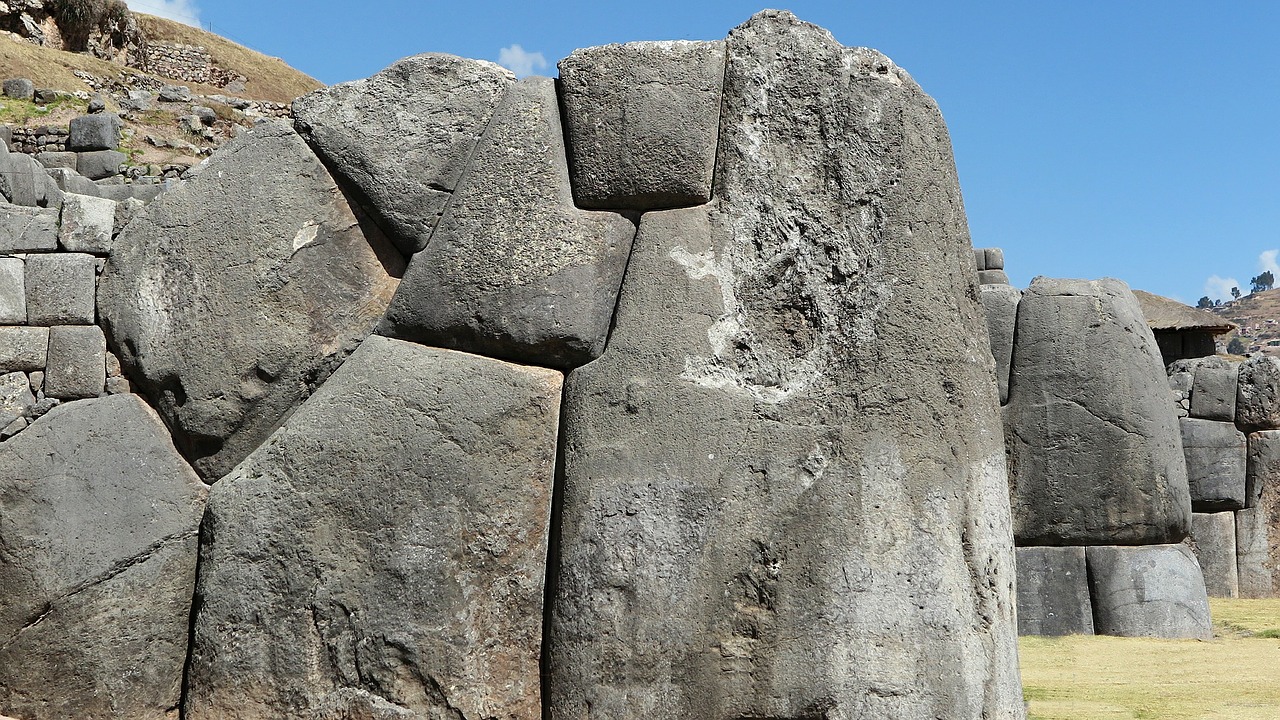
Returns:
(13, 295)
(1213, 392)
(60, 289)
(15, 397)
(145, 192)
(1053, 592)
(980, 258)
(414, 493)
(126, 210)
(1258, 394)
(70, 181)
(77, 365)
(19, 89)
(641, 121)
(403, 137)
(27, 229)
(1001, 305)
(1216, 454)
(175, 93)
(51, 160)
(994, 258)
(101, 164)
(1213, 538)
(23, 181)
(94, 132)
(736, 465)
(514, 270)
(1094, 449)
(1148, 591)
(1262, 467)
(992, 277)
(23, 348)
(1253, 549)
(87, 224)
(231, 297)
(97, 564)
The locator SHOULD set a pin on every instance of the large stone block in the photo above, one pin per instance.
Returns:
(61, 289)
(77, 365)
(995, 258)
(641, 121)
(53, 160)
(70, 181)
(1053, 592)
(97, 564)
(514, 270)
(100, 164)
(992, 277)
(738, 464)
(24, 182)
(232, 296)
(1094, 449)
(383, 554)
(1216, 454)
(1148, 591)
(1258, 393)
(1001, 305)
(19, 89)
(94, 132)
(1213, 393)
(1253, 554)
(404, 137)
(23, 348)
(1262, 468)
(1214, 539)
(25, 229)
(87, 224)
(13, 294)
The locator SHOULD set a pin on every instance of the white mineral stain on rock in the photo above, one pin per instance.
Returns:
(306, 235)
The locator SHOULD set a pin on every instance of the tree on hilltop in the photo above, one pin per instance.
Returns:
(1265, 281)
(1235, 293)
(1204, 303)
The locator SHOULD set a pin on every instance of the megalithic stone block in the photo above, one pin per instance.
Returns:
(995, 258)
(1216, 454)
(992, 277)
(1254, 566)
(1258, 394)
(13, 294)
(1001, 305)
(1213, 393)
(1053, 592)
(1262, 469)
(1214, 538)
(1148, 591)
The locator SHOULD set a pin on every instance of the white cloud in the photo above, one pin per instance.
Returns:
(521, 62)
(183, 11)
(1219, 288)
(1267, 262)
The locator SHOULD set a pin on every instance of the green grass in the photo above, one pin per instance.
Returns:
(20, 112)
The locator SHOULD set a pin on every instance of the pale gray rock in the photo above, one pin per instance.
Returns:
(641, 121)
(231, 297)
(1148, 591)
(143, 192)
(1001, 305)
(1053, 592)
(94, 132)
(1262, 468)
(60, 289)
(77, 365)
(1216, 454)
(70, 181)
(100, 165)
(1213, 393)
(19, 89)
(97, 564)
(126, 210)
(1213, 538)
(13, 295)
(23, 348)
(175, 93)
(37, 382)
(1094, 450)
(994, 258)
(1258, 393)
(514, 270)
(87, 224)
(15, 397)
(12, 429)
(413, 493)
(23, 181)
(1253, 549)
(992, 277)
(403, 137)
(980, 258)
(27, 229)
(737, 465)
(52, 160)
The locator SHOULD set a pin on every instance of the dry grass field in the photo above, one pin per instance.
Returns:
(1236, 676)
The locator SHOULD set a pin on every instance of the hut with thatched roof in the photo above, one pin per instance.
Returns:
(1181, 330)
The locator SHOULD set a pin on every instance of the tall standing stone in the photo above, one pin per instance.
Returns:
(1214, 537)
(1001, 305)
(1253, 549)
(777, 503)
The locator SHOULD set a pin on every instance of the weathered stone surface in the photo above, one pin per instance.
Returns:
(1253, 549)
(413, 491)
(23, 181)
(70, 181)
(94, 132)
(992, 277)
(232, 296)
(1094, 451)
(1001, 305)
(126, 210)
(60, 289)
(1258, 393)
(77, 365)
(1213, 394)
(87, 224)
(1262, 468)
(27, 229)
(1213, 536)
(1216, 454)
(1053, 592)
(97, 564)
(23, 348)
(994, 258)
(734, 542)
(641, 121)
(1148, 591)
(100, 164)
(19, 88)
(514, 270)
(404, 136)
(13, 295)
(51, 160)
(980, 258)
(15, 398)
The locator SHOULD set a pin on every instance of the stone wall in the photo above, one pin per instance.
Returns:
(188, 63)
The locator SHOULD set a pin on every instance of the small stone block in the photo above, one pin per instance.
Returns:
(1148, 591)
(53, 160)
(100, 165)
(77, 366)
(19, 89)
(1216, 455)
(10, 430)
(1213, 392)
(995, 258)
(28, 229)
(992, 277)
(13, 294)
(1253, 548)
(15, 397)
(1053, 592)
(88, 223)
(23, 348)
(980, 259)
(60, 289)
(1214, 537)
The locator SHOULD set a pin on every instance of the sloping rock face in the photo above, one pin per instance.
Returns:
(97, 563)
(776, 504)
(230, 298)
(382, 555)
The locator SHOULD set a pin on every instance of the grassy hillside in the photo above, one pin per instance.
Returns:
(1258, 316)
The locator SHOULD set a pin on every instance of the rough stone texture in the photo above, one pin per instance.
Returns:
(1216, 454)
(126, 211)
(97, 564)
(1213, 537)
(23, 181)
(28, 229)
(1001, 305)
(19, 88)
(514, 270)
(737, 467)
(77, 366)
(994, 258)
(1253, 548)
(1258, 393)
(1149, 591)
(51, 160)
(101, 164)
(413, 492)
(980, 259)
(1093, 441)
(15, 397)
(23, 348)
(70, 181)
(13, 296)
(992, 277)
(94, 132)
(1262, 469)
(87, 224)
(229, 298)
(1053, 592)
(1213, 394)
(60, 289)
(404, 136)
(641, 121)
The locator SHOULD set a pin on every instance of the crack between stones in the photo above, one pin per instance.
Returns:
(551, 577)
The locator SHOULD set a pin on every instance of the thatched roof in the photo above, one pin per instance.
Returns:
(1165, 314)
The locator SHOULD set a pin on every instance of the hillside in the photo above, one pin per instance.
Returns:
(1258, 315)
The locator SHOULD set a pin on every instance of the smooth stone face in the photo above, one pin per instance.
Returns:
(1094, 449)
(995, 258)
(97, 564)
(77, 365)
(992, 277)
(1253, 554)
(641, 121)
(384, 551)
(514, 270)
(24, 182)
(87, 224)
(70, 181)
(25, 229)
(734, 539)
(94, 132)
(1213, 536)
(23, 348)
(51, 160)
(13, 295)
(1258, 393)
(101, 164)
(61, 289)
(1216, 461)
(1148, 591)
(15, 397)
(1001, 305)
(232, 296)
(404, 136)
(1213, 394)
(1053, 592)
(1263, 465)
(980, 258)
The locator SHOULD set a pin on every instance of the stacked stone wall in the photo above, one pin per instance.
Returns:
(188, 63)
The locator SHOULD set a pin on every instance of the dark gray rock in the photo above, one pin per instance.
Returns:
(15, 398)
(413, 492)
(60, 289)
(1216, 454)
(28, 229)
(1253, 549)
(96, 104)
(231, 297)
(13, 296)
(52, 160)
(1001, 305)
(404, 137)
(737, 464)
(23, 181)
(514, 270)
(1213, 538)
(641, 121)
(994, 258)
(980, 258)
(97, 564)
(992, 277)
(1262, 468)
(19, 89)
(1258, 393)
(1213, 394)
(77, 364)
(1053, 592)
(1148, 591)
(100, 165)
(23, 348)
(1094, 449)
(94, 132)
(88, 223)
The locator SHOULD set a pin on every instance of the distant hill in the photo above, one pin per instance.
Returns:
(1258, 316)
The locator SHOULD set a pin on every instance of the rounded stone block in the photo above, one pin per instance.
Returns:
(1148, 591)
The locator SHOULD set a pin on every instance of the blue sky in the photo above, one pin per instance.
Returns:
(1138, 140)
